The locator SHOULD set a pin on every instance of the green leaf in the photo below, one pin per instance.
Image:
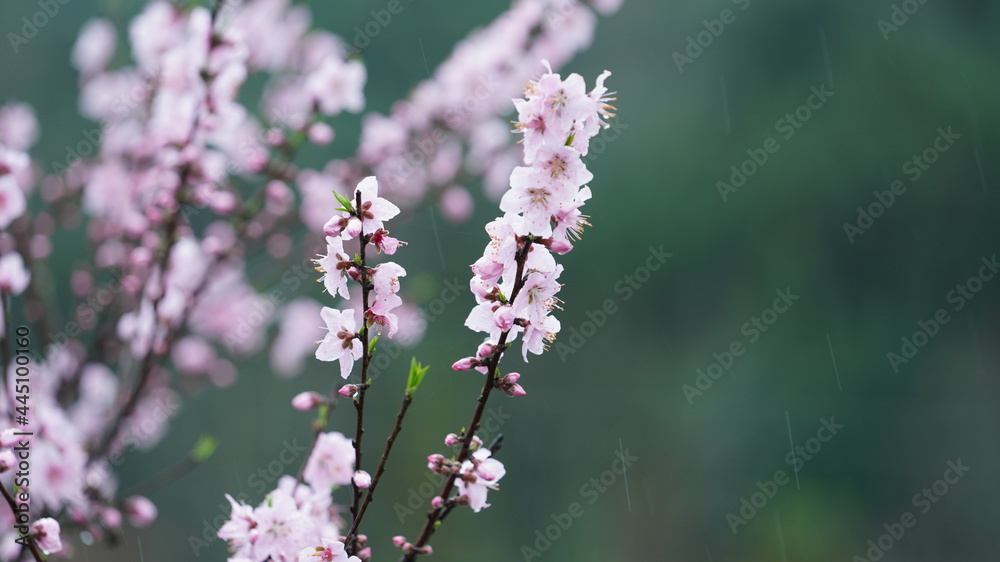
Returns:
(347, 204)
(204, 448)
(569, 140)
(417, 372)
(371, 345)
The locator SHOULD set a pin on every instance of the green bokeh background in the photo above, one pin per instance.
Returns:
(655, 186)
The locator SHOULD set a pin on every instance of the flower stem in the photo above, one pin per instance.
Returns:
(407, 399)
(32, 546)
(436, 515)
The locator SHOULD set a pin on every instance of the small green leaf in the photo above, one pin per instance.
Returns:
(417, 372)
(371, 345)
(204, 448)
(569, 140)
(345, 202)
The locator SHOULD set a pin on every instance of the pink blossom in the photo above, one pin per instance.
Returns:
(140, 510)
(477, 476)
(335, 265)
(456, 204)
(281, 527)
(385, 243)
(14, 277)
(18, 126)
(7, 460)
(237, 530)
(297, 336)
(331, 551)
(341, 342)
(308, 400)
(12, 202)
(362, 479)
(337, 85)
(331, 462)
(94, 46)
(46, 532)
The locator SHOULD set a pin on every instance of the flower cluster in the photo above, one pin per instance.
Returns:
(516, 280)
(285, 526)
(361, 217)
(184, 176)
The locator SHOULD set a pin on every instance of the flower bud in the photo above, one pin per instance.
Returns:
(140, 510)
(321, 134)
(437, 502)
(557, 246)
(348, 390)
(452, 439)
(398, 541)
(306, 401)
(465, 364)
(362, 479)
(46, 532)
(509, 385)
(7, 460)
(436, 463)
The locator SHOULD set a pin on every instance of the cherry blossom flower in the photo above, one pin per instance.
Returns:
(477, 476)
(14, 277)
(46, 532)
(12, 202)
(335, 265)
(341, 342)
(331, 551)
(331, 462)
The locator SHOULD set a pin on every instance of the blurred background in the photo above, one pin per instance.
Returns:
(725, 318)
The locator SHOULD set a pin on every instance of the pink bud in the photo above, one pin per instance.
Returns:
(140, 510)
(275, 137)
(306, 401)
(509, 385)
(558, 246)
(465, 364)
(348, 390)
(398, 540)
(46, 532)
(503, 317)
(334, 226)
(452, 439)
(362, 479)
(112, 518)
(437, 502)
(365, 554)
(353, 228)
(484, 350)
(321, 134)
(7, 460)
(477, 441)
(435, 462)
